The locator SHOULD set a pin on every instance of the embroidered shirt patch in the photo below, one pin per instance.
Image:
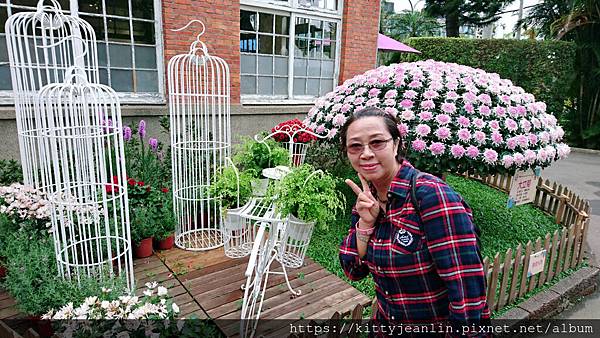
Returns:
(403, 237)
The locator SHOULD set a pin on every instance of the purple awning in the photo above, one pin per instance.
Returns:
(386, 43)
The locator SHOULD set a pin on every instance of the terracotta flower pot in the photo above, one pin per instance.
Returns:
(143, 248)
(166, 243)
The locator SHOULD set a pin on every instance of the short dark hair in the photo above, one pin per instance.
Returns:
(388, 120)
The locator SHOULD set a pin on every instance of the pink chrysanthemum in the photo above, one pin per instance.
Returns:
(437, 148)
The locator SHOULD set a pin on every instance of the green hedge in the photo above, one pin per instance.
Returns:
(543, 68)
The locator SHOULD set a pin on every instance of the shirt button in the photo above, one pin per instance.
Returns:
(392, 317)
(389, 195)
(386, 293)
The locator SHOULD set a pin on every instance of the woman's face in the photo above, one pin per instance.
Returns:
(373, 164)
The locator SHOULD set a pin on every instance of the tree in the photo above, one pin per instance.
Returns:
(465, 12)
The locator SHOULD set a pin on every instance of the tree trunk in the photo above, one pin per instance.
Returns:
(452, 24)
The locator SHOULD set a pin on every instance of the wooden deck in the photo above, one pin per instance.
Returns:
(208, 285)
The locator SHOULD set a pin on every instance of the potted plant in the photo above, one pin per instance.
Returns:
(225, 186)
(164, 236)
(253, 156)
(296, 132)
(142, 230)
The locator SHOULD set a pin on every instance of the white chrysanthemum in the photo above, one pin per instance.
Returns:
(162, 291)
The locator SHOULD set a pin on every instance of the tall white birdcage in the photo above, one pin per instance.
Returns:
(41, 46)
(199, 107)
(81, 150)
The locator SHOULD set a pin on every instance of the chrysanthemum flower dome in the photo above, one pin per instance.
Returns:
(452, 117)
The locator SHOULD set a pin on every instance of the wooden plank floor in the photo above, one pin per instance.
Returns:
(207, 284)
(215, 281)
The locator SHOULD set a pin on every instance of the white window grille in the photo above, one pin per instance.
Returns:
(129, 38)
(289, 49)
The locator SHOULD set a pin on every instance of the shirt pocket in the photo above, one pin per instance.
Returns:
(407, 236)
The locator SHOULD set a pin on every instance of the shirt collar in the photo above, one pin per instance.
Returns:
(401, 182)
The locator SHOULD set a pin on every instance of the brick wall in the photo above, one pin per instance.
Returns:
(222, 36)
(360, 26)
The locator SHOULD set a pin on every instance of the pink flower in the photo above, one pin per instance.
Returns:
(525, 125)
(336, 107)
(390, 94)
(418, 145)
(511, 124)
(359, 100)
(457, 150)
(443, 133)
(519, 159)
(422, 130)
(521, 110)
(511, 143)
(374, 92)
(443, 119)
(494, 124)
(464, 135)
(430, 94)
(403, 129)
(361, 91)
(512, 111)
(339, 120)
(507, 161)
(536, 122)
(496, 137)
(472, 152)
(505, 99)
(469, 97)
(415, 84)
(479, 123)
(389, 102)
(452, 85)
(500, 111)
(562, 150)
(452, 95)
(468, 107)
(427, 104)
(448, 107)
(408, 115)
(409, 94)
(425, 116)
(345, 108)
(320, 129)
(406, 103)
(338, 98)
(392, 111)
(332, 133)
(479, 137)
(490, 156)
(530, 156)
(522, 141)
(485, 110)
(542, 155)
(532, 139)
(544, 137)
(437, 148)
(372, 102)
(463, 121)
(485, 98)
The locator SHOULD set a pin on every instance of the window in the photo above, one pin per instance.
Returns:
(129, 58)
(289, 53)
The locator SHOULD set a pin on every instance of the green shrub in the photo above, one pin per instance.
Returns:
(253, 156)
(543, 68)
(10, 172)
(225, 185)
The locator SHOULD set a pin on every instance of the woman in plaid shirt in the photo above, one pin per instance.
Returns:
(426, 265)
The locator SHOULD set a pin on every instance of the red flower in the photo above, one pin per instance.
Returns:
(148, 189)
(165, 190)
(291, 126)
(110, 188)
(131, 182)
(115, 179)
(140, 183)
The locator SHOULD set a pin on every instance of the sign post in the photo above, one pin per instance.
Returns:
(523, 187)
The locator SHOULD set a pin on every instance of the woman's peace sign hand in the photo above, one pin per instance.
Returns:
(366, 205)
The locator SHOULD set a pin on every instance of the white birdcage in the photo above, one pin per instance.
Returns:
(81, 151)
(41, 46)
(199, 107)
(296, 150)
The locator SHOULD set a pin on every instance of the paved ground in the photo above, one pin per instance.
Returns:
(581, 172)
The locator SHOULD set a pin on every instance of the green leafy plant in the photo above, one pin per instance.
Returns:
(225, 185)
(252, 156)
(10, 172)
(166, 218)
(143, 224)
(313, 198)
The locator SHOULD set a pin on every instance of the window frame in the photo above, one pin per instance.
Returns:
(294, 11)
(6, 96)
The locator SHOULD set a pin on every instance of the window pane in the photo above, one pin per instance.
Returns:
(299, 85)
(280, 86)
(331, 4)
(326, 87)
(281, 66)
(248, 84)
(146, 81)
(64, 4)
(314, 68)
(329, 30)
(104, 76)
(143, 9)
(90, 6)
(102, 54)
(301, 49)
(118, 29)
(3, 50)
(265, 23)
(98, 25)
(313, 87)
(265, 44)
(316, 28)
(143, 32)
(145, 57)
(247, 43)
(122, 80)
(302, 27)
(282, 25)
(265, 85)
(120, 55)
(329, 50)
(281, 46)
(5, 84)
(327, 69)
(3, 18)
(265, 65)
(300, 67)
(248, 64)
(248, 21)
(117, 7)
(315, 49)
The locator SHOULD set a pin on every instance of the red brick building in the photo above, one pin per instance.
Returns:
(282, 54)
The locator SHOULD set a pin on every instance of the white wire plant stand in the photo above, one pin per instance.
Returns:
(42, 45)
(199, 109)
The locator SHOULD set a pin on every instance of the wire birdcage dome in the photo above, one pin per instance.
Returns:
(199, 107)
(42, 46)
(81, 150)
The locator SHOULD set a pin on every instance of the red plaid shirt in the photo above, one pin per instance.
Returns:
(424, 270)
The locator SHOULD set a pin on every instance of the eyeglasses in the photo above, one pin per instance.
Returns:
(374, 145)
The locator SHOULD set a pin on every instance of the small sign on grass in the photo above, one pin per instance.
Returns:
(522, 190)
(536, 263)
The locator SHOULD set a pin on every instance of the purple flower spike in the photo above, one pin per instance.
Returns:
(127, 133)
(142, 129)
(153, 144)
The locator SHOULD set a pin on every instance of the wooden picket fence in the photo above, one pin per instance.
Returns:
(507, 278)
